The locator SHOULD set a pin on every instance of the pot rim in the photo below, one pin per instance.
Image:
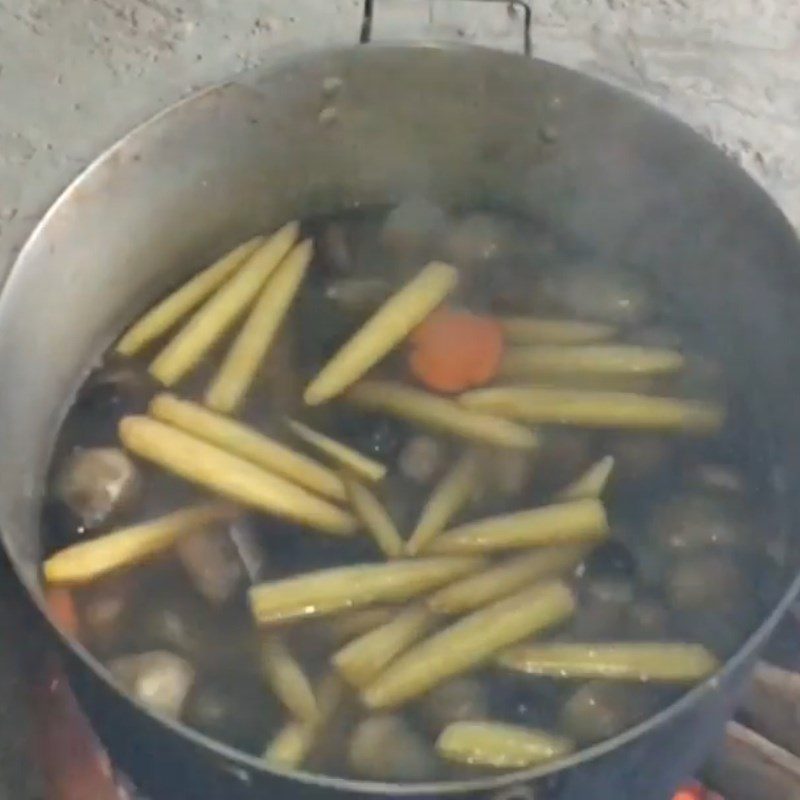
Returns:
(238, 759)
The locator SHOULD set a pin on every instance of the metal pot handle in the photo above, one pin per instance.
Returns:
(523, 5)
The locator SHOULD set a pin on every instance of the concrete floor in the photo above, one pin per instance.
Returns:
(75, 74)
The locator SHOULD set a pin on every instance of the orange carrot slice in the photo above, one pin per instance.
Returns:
(454, 350)
(62, 608)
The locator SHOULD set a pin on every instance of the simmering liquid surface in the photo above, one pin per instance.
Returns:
(432, 496)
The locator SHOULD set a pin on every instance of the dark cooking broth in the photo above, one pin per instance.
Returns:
(579, 630)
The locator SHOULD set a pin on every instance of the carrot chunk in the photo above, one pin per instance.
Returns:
(454, 350)
(62, 608)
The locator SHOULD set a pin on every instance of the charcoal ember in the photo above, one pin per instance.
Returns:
(749, 767)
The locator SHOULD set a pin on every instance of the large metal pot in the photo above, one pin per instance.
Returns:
(459, 124)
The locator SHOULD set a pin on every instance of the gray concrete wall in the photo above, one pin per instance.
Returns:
(75, 74)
